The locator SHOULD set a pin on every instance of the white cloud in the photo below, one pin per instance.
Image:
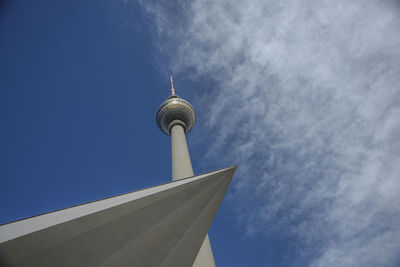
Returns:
(307, 100)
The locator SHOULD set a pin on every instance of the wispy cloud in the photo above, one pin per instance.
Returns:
(307, 100)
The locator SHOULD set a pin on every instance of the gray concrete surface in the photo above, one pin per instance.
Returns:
(160, 226)
(181, 163)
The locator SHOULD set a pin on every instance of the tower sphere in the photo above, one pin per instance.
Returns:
(175, 109)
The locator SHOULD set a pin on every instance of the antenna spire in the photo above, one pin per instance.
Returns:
(172, 85)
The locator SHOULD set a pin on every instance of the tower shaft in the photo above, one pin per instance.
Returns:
(182, 168)
(181, 164)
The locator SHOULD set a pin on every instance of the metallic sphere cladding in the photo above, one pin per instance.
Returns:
(175, 108)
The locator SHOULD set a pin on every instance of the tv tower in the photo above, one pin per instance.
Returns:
(176, 117)
(164, 225)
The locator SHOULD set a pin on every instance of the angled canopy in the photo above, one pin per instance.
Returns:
(163, 225)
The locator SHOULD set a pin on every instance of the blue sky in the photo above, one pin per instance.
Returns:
(304, 96)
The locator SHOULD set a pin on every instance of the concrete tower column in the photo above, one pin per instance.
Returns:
(182, 168)
(181, 164)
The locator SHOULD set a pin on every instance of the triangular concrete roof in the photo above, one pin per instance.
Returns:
(163, 225)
